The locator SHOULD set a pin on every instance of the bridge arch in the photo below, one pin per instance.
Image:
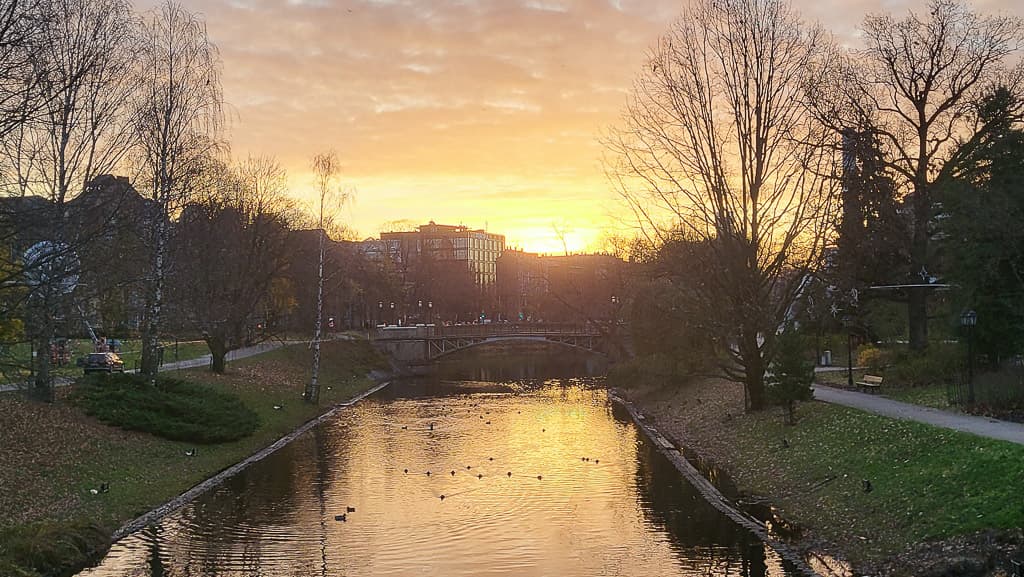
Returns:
(424, 344)
(555, 342)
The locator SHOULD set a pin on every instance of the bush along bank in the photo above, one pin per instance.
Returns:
(80, 479)
(889, 497)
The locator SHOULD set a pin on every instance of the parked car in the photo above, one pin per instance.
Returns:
(103, 363)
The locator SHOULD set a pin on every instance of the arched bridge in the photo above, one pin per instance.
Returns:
(424, 344)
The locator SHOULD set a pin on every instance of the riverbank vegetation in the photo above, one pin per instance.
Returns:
(878, 491)
(169, 408)
(54, 455)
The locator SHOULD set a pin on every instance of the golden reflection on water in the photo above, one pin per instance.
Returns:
(585, 497)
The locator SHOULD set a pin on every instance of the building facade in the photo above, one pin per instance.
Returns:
(474, 251)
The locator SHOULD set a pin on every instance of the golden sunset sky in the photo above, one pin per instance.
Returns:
(486, 113)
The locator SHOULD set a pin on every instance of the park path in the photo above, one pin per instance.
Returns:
(203, 361)
(981, 426)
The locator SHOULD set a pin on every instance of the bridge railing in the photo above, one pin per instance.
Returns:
(485, 330)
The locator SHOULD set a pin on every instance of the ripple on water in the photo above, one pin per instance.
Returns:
(628, 514)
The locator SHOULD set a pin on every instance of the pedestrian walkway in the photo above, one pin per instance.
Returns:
(981, 426)
(203, 361)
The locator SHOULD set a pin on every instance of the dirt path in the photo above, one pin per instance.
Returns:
(981, 426)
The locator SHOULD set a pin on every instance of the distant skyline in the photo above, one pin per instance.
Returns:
(486, 113)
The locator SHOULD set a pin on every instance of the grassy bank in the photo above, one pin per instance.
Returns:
(927, 484)
(53, 455)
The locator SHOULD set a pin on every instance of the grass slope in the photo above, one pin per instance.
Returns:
(928, 483)
(53, 454)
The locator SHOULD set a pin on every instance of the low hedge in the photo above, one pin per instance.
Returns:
(51, 549)
(171, 408)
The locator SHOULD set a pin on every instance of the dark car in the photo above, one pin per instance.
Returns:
(103, 363)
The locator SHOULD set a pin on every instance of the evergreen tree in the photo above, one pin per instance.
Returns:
(983, 241)
(792, 373)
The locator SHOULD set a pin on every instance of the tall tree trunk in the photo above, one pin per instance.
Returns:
(218, 353)
(753, 381)
(313, 391)
(154, 306)
(917, 298)
(42, 383)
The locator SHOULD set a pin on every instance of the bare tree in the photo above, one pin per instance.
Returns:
(178, 126)
(718, 147)
(326, 170)
(79, 128)
(21, 25)
(915, 85)
(231, 248)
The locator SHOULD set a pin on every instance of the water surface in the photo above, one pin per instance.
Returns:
(549, 480)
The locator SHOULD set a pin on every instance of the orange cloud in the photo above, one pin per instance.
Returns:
(485, 112)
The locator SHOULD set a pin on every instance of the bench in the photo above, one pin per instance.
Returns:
(870, 383)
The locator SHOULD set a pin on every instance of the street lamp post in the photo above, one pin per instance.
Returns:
(968, 320)
(849, 358)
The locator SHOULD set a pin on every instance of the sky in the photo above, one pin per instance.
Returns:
(487, 113)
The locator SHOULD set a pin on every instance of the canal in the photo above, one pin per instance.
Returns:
(502, 465)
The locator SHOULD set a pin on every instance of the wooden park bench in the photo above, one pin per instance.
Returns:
(870, 383)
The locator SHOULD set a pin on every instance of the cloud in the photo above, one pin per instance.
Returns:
(448, 99)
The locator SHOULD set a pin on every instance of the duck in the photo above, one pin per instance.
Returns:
(428, 473)
(350, 509)
(407, 471)
(539, 477)
(468, 467)
(340, 517)
(510, 473)
(191, 452)
(442, 497)
(278, 407)
(479, 476)
(453, 472)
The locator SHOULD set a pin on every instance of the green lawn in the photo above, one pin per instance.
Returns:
(926, 482)
(75, 453)
(16, 357)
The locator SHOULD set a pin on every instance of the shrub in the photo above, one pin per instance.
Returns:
(51, 548)
(938, 364)
(173, 409)
(873, 358)
(658, 370)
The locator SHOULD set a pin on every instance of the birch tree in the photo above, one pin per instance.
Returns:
(178, 126)
(717, 148)
(326, 170)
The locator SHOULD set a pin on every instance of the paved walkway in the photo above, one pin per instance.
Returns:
(981, 426)
(203, 361)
